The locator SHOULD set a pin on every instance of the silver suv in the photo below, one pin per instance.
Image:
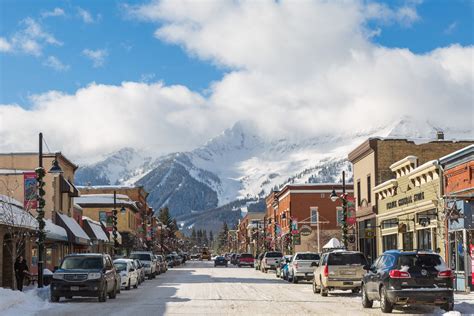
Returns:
(148, 260)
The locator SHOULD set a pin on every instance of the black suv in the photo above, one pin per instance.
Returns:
(408, 278)
(89, 275)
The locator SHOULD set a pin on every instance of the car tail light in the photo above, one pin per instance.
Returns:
(296, 265)
(398, 274)
(326, 271)
(446, 274)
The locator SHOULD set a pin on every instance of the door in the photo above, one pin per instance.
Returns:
(109, 274)
(373, 277)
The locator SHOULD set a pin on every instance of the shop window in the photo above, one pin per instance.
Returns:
(408, 241)
(369, 198)
(358, 192)
(49, 256)
(424, 239)
(390, 223)
(34, 256)
(389, 242)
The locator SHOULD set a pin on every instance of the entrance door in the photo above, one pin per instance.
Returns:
(8, 261)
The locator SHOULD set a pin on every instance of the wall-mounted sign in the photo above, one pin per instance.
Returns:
(406, 200)
(305, 230)
(369, 233)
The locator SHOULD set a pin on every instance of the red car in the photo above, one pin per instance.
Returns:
(245, 259)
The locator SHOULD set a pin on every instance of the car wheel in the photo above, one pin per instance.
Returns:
(128, 285)
(295, 279)
(240, 266)
(150, 276)
(356, 290)
(54, 298)
(136, 285)
(448, 307)
(366, 303)
(324, 291)
(103, 295)
(385, 305)
(316, 289)
(114, 292)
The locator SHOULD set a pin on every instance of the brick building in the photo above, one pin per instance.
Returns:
(371, 166)
(249, 231)
(310, 206)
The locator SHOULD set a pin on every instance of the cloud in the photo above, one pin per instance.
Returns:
(405, 15)
(56, 64)
(5, 45)
(97, 56)
(53, 13)
(296, 71)
(450, 28)
(30, 39)
(87, 17)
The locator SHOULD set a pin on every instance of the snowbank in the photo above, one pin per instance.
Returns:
(16, 303)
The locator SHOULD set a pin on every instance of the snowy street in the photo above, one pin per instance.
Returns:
(198, 288)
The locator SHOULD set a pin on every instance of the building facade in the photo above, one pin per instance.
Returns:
(459, 209)
(371, 162)
(303, 217)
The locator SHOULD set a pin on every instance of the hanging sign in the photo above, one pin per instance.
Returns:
(29, 182)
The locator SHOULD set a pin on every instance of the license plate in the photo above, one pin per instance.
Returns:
(348, 272)
(348, 283)
(74, 288)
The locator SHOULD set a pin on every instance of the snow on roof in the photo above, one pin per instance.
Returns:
(13, 214)
(424, 166)
(14, 171)
(54, 231)
(103, 199)
(75, 228)
(97, 229)
(125, 186)
(333, 243)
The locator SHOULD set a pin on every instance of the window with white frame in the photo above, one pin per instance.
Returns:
(314, 215)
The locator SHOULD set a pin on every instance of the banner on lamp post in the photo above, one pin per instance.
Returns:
(29, 183)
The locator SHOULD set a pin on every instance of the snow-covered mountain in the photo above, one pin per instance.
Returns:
(240, 165)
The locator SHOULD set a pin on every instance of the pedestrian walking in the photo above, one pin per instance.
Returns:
(21, 268)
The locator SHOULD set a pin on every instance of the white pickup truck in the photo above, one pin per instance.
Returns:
(302, 266)
(270, 260)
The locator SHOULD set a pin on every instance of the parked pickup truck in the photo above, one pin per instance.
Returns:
(302, 266)
(245, 259)
(270, 260)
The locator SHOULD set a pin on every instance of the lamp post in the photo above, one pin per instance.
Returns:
(334, 197)
(114, 224)
(40, 174)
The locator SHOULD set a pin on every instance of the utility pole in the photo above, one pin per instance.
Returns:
(40, 173)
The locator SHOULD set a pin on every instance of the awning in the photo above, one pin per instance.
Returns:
(55, 232)
(68, 187)
(74, 231)
(95, 232)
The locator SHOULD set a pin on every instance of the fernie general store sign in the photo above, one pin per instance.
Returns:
(406, 200)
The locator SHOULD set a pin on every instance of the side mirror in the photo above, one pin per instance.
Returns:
(55, 268)
(367, 267)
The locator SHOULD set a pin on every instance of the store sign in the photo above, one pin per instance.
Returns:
(305, 230)
(369, 233)
(406, 200)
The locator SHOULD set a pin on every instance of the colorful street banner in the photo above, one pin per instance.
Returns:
(29, 182)
(351, 211)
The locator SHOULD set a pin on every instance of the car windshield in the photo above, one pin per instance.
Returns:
(87, 263)
(246, 255)
(421, 261)
(120, 266)
(342, 259)
(274, 255)
(141, 256)
(307, 256)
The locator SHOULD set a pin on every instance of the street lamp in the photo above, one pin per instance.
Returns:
(40, 174)
(334, 197)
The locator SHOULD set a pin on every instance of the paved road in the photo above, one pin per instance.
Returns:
(198, 288)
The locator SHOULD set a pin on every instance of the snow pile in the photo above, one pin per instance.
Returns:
(24, 303)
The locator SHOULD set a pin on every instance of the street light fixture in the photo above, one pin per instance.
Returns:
(334, 197)
(40, 174)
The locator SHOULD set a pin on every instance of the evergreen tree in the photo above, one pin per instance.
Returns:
(165, 217)
(205, 241)
(222, 242)
(199, 238)
(211, 239)
(194, 236)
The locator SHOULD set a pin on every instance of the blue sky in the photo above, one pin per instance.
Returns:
(132, 53)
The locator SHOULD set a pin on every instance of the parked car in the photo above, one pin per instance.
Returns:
(285, 269)
(339, 270)
(245, 259)
(128, 273)
(140, 271)
(283, 263)
(408, 278)
(170, 261)
(148, 260)
(220, 261)
(302, 266)
(162, 263)
(205, 254)
(270, 260)
(258, 261)
(195, 256)
(89, 275)
(234, 259)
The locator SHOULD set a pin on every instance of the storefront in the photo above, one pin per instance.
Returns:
(78, 239)
(459, 202)
(409, 213)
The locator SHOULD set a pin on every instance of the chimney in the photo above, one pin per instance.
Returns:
(440, 135)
